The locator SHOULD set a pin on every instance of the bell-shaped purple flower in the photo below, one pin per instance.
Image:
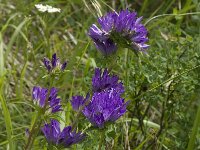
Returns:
(105, 107)
(64, 138)
(54, 64)
(40, 96)
(102, 41)
(102, 81)
(121, 29)
(51, 131)
(78, 101)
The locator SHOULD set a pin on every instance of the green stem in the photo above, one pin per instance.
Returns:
(38, 121)
(67, 115)
(127, 62)
(102, 136)
(163, 15)
(194, 130)
(33, 132)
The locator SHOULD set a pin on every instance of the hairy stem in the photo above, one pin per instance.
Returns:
(101, 142)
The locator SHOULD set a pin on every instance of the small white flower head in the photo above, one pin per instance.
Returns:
(47, 8)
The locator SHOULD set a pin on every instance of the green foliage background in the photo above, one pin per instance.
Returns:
(163, 85)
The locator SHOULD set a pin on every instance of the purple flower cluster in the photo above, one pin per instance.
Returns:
(121, 29)
(106, 104)
(40, 96)
(64, 138)
(105, 107)
(48, 100)
(54, 63)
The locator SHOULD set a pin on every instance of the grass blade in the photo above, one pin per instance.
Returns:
(4, 107)
(1, 57)
(194, 131)
(7, 120)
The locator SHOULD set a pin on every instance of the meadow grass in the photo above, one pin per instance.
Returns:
(162, 85)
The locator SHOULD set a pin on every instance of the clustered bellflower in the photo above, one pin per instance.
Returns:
(48, 101)
(123, 29)
(106, 104)
(54, 64)
(105, 107)
(40, 96)
(64, 138)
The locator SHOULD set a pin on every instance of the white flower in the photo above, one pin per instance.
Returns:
(49, 9)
